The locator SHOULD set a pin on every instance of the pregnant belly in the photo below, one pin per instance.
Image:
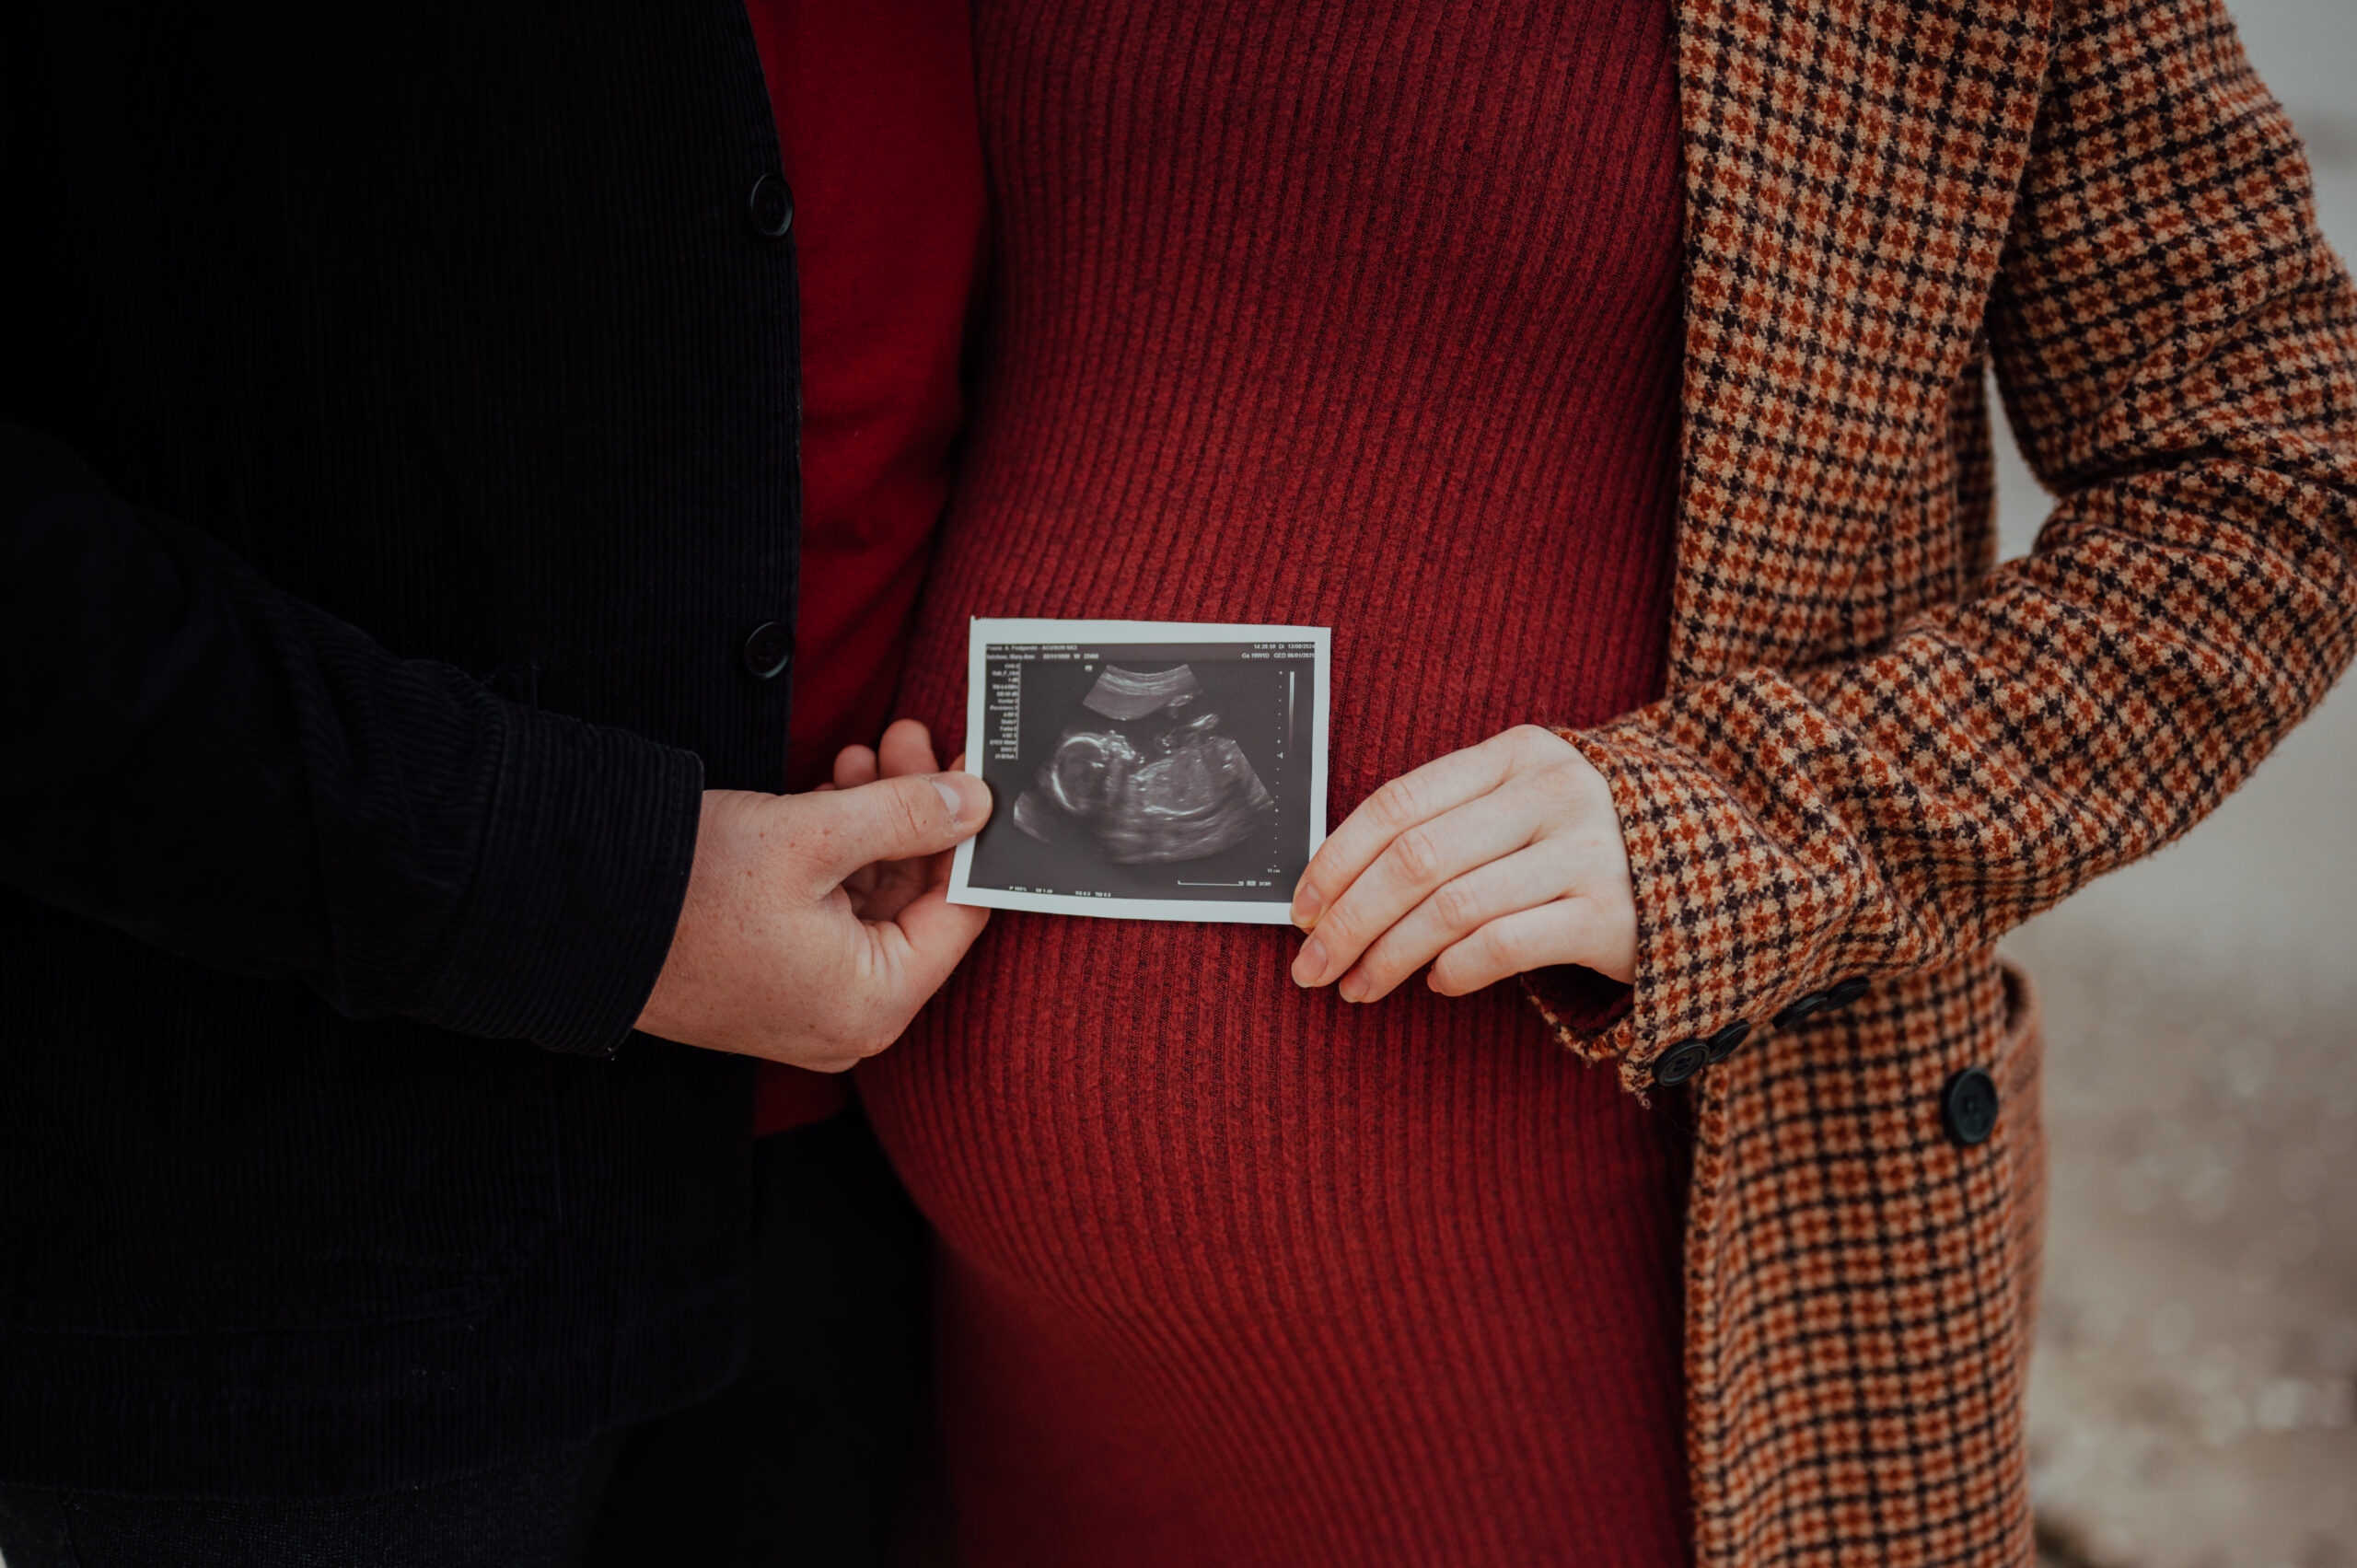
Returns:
(1129, 1118)
(1237, 1273)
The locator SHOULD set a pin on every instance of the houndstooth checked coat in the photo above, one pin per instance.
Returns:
(1880, 749)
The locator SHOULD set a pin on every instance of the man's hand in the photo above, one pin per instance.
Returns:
(1503, 857)
(882, 891)
(773, 957)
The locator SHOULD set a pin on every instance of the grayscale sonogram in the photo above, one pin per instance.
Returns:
(1165, 770)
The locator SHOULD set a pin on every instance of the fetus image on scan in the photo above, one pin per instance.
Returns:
(1151, 780)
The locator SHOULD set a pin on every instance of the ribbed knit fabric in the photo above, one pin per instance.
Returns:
(1363, 316)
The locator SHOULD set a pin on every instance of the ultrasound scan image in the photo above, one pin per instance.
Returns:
(1179, 773)
(1151, 779)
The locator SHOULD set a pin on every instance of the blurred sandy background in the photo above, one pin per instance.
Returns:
(2191, 1403)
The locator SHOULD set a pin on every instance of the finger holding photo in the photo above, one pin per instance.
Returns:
(879, 892)
(1488, 862)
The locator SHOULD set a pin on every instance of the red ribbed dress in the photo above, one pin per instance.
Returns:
(1361, 315)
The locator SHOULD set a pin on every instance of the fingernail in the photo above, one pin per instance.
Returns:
(1309, 963)
(1354, 988)
(950, 797)
(1305, 904)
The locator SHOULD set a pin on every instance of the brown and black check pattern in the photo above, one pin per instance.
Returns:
(1880, 750)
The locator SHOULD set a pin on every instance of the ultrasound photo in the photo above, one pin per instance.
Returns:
(1145, 770)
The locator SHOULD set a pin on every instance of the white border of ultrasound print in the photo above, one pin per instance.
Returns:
(981, 633)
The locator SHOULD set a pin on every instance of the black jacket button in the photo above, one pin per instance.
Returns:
(1681, 1061)
(770, 207)
(1849, 991)
(1802, 1007)
(1723, 1044)
(769, 650)
(1968, 1106)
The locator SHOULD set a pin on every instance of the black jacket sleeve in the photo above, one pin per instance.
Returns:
(222, 771)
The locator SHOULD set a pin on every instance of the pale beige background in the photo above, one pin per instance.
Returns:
(2191, 1404)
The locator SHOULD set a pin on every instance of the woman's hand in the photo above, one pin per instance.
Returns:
(1503, 857)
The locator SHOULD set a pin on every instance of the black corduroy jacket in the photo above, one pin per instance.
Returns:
(397, 441)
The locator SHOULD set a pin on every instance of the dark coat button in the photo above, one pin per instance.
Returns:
(1681, 1061)
(770, 207)
(1802, 1007)
(1849, 991)
(769, 650)
(1723, 1043)
(1968, 1106)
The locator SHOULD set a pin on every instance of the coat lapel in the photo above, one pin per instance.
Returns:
(1850, 168)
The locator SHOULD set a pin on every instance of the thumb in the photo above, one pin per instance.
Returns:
(898, 818)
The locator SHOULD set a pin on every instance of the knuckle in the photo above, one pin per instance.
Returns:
(1454, 907)
(1498, 948)
(1416, 854)
(1528, 737)
(1341, 930)
(915, 817)
(1563, 790)
(1394, 805)
(1527, 745)
(1461, 969)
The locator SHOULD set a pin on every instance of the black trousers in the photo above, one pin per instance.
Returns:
(801, 1461)
(807, 1458)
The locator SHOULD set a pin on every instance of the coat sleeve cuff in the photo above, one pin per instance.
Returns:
(584, 867)
(1734, 938)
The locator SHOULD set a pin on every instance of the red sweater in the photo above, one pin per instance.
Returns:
(876, 122)
(1356, 313)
